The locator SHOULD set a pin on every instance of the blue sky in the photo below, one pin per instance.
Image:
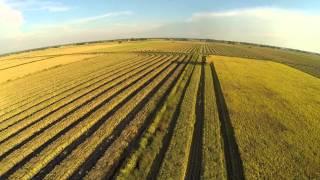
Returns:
(28, 24)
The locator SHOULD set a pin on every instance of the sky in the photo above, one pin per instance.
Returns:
(27, 24)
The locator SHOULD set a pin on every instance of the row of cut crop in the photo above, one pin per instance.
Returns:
(78, 99)
(84, 88)
(213, 158)
(68, 73)
(63, 92)
(89, 125)
(56, 79)
(129, 131)
(77, 119)
(194, 167)
(93, 147)
(67, 79)
(151, 141)
(54, 118)
(14, 63)
(176, 159)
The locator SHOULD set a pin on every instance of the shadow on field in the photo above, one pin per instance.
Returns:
(195, 156)
(190, 62)
(231, 151)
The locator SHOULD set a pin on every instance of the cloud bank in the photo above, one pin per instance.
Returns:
(11, 20)
(272, 26)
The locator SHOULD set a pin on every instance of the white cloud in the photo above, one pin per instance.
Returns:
(75, 30)
(38, 5)
(11, 20)
(274, 26)
(102, 16)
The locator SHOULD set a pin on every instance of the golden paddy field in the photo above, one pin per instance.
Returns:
(160, 109)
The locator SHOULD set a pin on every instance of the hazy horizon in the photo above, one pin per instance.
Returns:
(27, 24)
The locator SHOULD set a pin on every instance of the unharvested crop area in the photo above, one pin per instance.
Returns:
(274, 110)
(159, 109)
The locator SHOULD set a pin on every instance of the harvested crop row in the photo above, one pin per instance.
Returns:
(85, 128)
(11, 91)
(55, 118)
(213, 50)
(232, 51)
(145, 152)
(218, 50)
(190, 50)
(43, 102)
(73, 80)
(57, 111)
(51, 106)
(21, 72)
(125, 136)
(176, 159)
(14, 63)
(194, 167)
(54, 86)
(122, 123)
(24, 63)
(183, 49)
(213, 158)
(68, 74)
(208, 50)
(162, 141)
(75, 124)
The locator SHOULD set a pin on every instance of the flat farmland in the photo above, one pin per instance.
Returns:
(159, 109)
(274, 111)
